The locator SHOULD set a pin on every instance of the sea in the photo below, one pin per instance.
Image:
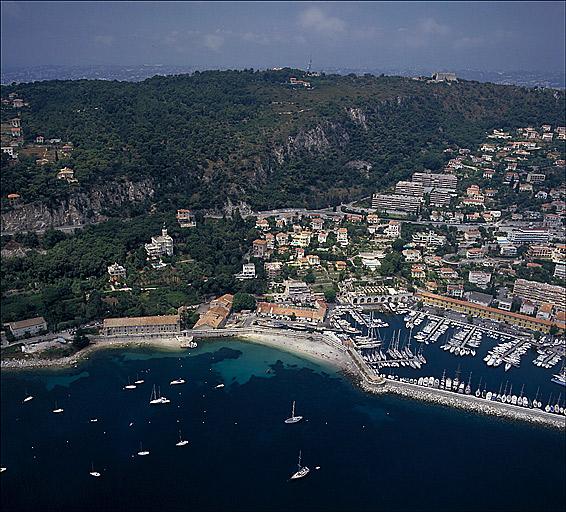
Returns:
(365, 452)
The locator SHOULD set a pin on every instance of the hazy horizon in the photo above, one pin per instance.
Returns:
(505, 36)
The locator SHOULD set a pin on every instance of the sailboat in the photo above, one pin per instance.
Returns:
(162, 398)
(181, 442)
(92, 471)
(138, 380)
(478, 391)
(57, 409)
(293, 418)
(177, 381)
(155, 400)
(27, 398)
(142, 451)
(301, 472)
(130, 386)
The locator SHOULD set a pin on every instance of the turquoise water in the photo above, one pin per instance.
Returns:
(374, 452)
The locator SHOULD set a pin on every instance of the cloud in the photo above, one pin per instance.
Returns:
(427, 31)
(429, 27)
(105, 40)
(213, 42)
(316, 20)
(496, 37)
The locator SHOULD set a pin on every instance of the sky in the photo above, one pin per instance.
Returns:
(442, 36)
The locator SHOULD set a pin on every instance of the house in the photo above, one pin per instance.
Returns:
(262, 224)
(16, 122)
(259, 248)
(116, 272)
(455, 290)
(527, 308)
(479, 278)
(270, 239)
(545, 311)
(412, 255)
(372, 218)
(40, 139)
(248, 272)
(473, 190)
(541, 194)
(525, 187)
(540, 251)
(342, 236)
(30, 326)
(317, 224)
(160, 245)
(322, 238)
(431, 286)
(488, 173)
(472, 236)
(313, 260)
(393, 229)
(475, 253)
(66, 174)
(186, 219)
(448, 273)
(340, 265)
(273, 269)
(217, 314)
(418, 271)
(505, 304)
(16, 132)
(282, 239)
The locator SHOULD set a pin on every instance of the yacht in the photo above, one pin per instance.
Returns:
(130, 386)
(57, 410)
(93, 472)
(293, 418)
(181, 442)
(177, 381)
(142, 451)
(301, 471)
(138, 380)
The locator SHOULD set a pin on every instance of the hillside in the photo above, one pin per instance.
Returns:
(217, 138)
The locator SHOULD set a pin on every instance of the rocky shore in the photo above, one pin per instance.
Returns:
(318, 347)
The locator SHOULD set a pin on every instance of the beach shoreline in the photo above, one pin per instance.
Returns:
(315, 346)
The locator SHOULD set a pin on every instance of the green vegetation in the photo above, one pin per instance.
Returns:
(247, 135)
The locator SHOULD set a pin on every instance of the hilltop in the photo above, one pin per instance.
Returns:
(215, 139)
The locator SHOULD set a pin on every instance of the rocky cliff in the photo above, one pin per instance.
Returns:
(76, 211)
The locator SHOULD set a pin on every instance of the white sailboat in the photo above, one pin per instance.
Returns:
(181, 442)
(92, 471)
(130, 385)
(177, 381)
(301, 471)
(138, 380)
(57, 410)
(27, 398)
(142, 451)
(293, 418)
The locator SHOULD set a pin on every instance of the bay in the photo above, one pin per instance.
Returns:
(375, 452)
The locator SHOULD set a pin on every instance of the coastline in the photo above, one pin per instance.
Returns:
(318, 347)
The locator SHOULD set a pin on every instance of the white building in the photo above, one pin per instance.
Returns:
(116, 272)
(342, 236)
(479, 278)
(538, 236)
(160, 245)
(248, 272)
(393, 229)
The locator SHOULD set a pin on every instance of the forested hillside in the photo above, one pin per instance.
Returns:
(249, 136)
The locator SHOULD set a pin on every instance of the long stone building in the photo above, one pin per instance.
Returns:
(498, 315)
(540, 292)
(156, 325)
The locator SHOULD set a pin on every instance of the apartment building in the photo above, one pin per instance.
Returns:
(426, 179)
(409, 188)
(479, 278)
(538, 236)
(396, 202)
(540, 292)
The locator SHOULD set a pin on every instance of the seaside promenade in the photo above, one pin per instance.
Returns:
(318, 346)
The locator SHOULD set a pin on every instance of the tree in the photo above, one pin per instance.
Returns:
(537, 335)
(309, 278)
(330, 295)
(242, 301)
(80, 341)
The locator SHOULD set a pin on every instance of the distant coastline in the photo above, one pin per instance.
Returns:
(317, 347)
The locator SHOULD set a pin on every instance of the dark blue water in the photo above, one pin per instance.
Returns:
(374, 452)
